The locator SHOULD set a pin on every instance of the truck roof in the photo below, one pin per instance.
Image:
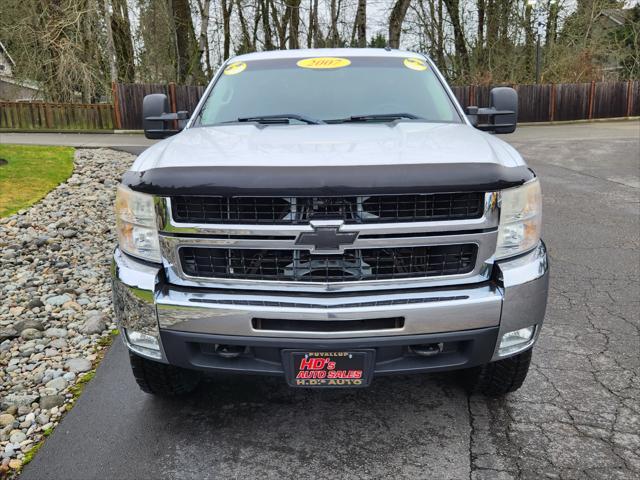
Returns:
(327, 52)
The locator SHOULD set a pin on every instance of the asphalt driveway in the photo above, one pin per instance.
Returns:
(577, 416)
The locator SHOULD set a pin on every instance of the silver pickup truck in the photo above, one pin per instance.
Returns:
(330, 216)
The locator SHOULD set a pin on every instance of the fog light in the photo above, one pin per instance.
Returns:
(512, 342)
(143, 344)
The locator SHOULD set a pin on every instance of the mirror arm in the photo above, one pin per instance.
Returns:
(474, 112)
(492, 111)
(169, 117)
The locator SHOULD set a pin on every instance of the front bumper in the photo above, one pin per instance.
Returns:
(468, 320)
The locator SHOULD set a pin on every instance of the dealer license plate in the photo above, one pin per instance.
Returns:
(329, 369)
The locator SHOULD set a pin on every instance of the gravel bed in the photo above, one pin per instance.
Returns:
(55, 299)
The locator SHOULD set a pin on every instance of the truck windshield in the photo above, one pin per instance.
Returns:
(328, 89)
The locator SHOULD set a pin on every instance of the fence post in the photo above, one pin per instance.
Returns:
(116, 106)
(172, 97)
(629, 97)
(552, 102)
(592, 92)
(173, 102)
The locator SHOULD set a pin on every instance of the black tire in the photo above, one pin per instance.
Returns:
(161, 379)
(498, 378)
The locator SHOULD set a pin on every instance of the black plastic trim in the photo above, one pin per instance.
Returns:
(334, 180)
(474, 347)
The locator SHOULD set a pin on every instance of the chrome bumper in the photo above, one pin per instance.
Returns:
(145, 303)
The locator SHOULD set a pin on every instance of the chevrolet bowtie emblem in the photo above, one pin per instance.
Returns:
(326, 237)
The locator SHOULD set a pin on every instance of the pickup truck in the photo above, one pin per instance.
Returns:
(330, 216)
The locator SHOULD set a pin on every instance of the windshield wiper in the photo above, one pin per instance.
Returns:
(281, 118)
(377, 117)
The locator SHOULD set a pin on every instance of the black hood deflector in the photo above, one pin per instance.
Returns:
(231, 181)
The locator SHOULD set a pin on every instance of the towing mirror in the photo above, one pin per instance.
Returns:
(502, 114)
(157, 120)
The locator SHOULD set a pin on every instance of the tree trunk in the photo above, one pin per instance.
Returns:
(122, 40)
(188, 60)
(440, 37)
(313, 17)
(247, 45)
(333, 36)
(280, 24)
(204, 6)
(453, 7)
(111, 51)
(552, 24)
(398, 12)
(503, 11)
(360, 26)
(480, 31)
(266, 25)
(493, 23)
(530, 28)
(294, 23)
(227, 8)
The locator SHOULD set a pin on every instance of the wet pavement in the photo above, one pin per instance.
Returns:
(576, 417)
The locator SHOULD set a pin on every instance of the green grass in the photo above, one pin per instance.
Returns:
(77, 389)
(31, 173)
(31, 453)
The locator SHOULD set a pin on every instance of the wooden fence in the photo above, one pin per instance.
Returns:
(127, 98)
(564, 101)
(537, 103)
(56, 116)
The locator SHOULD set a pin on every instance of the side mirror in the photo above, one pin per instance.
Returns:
(502, 114)
(157, 120)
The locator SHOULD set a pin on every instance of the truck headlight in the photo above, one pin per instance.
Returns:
(520, 219)
(136, 224)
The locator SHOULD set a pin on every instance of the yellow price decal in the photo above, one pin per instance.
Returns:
(324, 62)
(235, 68)
(415, 64)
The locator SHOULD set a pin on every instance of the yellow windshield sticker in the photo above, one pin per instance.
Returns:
(415, 64)
(235, 68)
(324, 62)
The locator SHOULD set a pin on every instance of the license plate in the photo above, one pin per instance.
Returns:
(328, 369)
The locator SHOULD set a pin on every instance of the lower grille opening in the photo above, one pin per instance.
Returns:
(327, 325)
(352, 265)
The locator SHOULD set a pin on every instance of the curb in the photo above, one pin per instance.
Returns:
(571, 122)
(140, 132)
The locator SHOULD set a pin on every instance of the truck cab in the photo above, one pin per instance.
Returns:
(330, 216)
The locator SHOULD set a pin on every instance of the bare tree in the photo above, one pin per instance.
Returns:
(247, 44)
(188, 66)
(430, 21)
(333, 36)
(123, 43)
(480, 29)
(312, 27)
(266, 25)
(280, 22)
(453, 7)
(398, 12)
(227, 10)
(360, 25)
(204, 8)
(111, 51)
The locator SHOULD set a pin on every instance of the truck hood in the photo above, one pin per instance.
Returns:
(403, 143)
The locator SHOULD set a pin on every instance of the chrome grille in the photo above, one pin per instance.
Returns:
(356, 209)
(352, 265)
